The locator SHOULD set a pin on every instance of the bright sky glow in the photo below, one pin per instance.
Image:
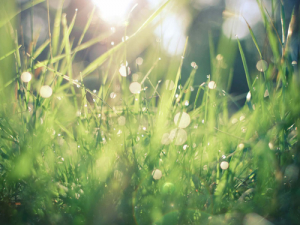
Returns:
(114, 11)
(172, 31)
(235, 25)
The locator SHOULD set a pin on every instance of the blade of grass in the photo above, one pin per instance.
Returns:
(56, 29)
(283, 26)
(10, 53)
(41, 49)
(244, 64)
(253, 38)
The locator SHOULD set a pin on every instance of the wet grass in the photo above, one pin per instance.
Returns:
(86, 156)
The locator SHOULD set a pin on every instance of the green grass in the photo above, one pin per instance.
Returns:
(71, 159)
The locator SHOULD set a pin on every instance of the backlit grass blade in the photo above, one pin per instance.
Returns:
(254, 39)
(178, 75)
(46, 62)
(283, 26)
(244, 64)
(292, 27)
(41, 49)
(87, 26)
(151, 18)
(70, 28)
(91, 42)
(56, 29)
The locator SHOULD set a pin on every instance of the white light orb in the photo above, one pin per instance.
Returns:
(248, 97)
(46, 91)
(241, 146)
(185, 120)
(224, 165)
(157, 174)
(26, 77)
(261, 65)
(178, 135)
(135, 88)
(212, 85)
(113, 95)
(139, 61)
(123, 71)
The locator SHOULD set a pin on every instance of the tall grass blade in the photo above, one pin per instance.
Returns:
(244, 64)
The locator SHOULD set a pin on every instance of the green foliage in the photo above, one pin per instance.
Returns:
(73, 158)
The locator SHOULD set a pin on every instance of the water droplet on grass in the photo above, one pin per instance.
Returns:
(123, 69)
(139, 61)
(224, 165)
(212, 85)
(248, 97)
(157, 174)
(46, 91)
(113, 95)
(262, 65)
(26, 77)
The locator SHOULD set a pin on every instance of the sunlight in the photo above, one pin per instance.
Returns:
(113, 11)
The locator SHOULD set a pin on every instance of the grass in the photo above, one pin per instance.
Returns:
(80, 157)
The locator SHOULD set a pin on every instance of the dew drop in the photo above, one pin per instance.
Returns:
(113, 95)
(46, 91)
(224, 165)
(123, 69)
(262, 65)
(248, 96)
(212, 85)
(139, 61)
(157, 174)
(26, 77)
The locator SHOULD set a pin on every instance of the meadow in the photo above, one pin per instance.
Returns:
(148, 146)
